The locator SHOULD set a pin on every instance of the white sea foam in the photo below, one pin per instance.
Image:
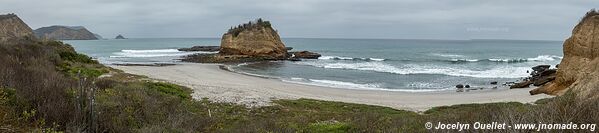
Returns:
(151, 51)
(349, 58)
(448, 55)
(540, 58)
(154, 53)
(545, 58)
(351, 85)
(498, 72)
(464, 60)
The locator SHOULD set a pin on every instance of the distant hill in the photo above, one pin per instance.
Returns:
(65, 33)
(12, 27)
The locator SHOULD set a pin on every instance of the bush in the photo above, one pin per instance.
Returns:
(170, 89)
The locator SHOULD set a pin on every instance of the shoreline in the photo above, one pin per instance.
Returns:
(218, 85)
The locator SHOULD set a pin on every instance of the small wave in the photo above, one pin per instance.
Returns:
(348, 58)
(464, 60)
(498, 72)
(351, 85)
(151, 51)
(539, 58)
(545, 58)
(448, 55)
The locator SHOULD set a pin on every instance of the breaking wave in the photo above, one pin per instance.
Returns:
(349, 58)
(351, 85)
(497, 72)
(540, 58)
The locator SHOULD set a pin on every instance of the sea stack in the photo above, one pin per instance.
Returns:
(65, 33)
(253, 39)
(12, 27)
(579, 69)
(120, 37)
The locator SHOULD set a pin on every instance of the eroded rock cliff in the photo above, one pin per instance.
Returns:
(255, 39)
(579, 69)
(12, 27)
(65, 33)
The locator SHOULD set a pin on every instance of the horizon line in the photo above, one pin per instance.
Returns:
(347, 38)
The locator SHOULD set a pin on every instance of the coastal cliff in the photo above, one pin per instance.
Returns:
(65, 33)
(12, 27)
(254, 39)
(579, 69)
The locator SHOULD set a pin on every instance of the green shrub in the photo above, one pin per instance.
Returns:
(76, 57)
(328, 127)
(170, 89)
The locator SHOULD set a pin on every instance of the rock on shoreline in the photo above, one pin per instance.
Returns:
(541, 75)
(201, 48)
(250, 42)
(579, 69)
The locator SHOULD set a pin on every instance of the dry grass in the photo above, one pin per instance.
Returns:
(37, 93)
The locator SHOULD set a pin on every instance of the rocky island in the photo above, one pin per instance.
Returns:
(65, 33)
(120, 37)
(253, 41)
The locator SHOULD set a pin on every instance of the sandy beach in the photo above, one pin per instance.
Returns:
(209, 81)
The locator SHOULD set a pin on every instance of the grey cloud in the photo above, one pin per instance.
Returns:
(435, 19)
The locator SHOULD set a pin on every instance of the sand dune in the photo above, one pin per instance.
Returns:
(208, 81)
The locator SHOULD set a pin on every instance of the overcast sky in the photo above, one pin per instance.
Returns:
(396, 19)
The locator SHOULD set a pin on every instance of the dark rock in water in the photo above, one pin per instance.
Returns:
(557, 66)
(120, 37)
(305, 55)
(467, 86)
(459, 86)
(541, 67)
(289, 48)
(494, 82)
(523, 84)
(202, 48)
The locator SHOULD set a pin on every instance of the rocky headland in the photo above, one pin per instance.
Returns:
(65, 33)
(252, 41)
(13, 28)
(579, 69)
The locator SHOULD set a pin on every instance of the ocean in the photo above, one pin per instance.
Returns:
(369, 64)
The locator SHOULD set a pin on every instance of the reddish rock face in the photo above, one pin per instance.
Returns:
(12, 27)
(579, 69)
(256, 40)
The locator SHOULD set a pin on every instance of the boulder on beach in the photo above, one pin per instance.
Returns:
(459, 86)
(540, 75)
(579, 69)
(254, 39)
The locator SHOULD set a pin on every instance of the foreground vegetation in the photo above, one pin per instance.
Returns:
(47, 87)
